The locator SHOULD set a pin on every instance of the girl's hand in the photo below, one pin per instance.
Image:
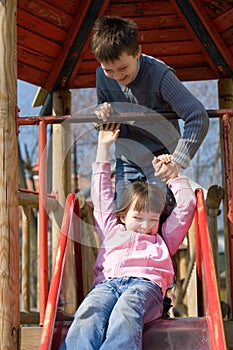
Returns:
(165, 168)
(104, 111)
(108, 133)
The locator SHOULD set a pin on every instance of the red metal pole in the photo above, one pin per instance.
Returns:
(78, 253)
(51, 309)
(228, 162)
(210, 287)
(43, 219)
(200, 303)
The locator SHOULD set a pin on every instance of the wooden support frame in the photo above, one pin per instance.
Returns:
(9, 237)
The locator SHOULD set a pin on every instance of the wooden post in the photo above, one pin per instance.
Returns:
(61, 183)
(213, 200)
(225, 93)
(9, 236)
(61, 160)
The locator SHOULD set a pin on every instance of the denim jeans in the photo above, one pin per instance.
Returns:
(113, 314)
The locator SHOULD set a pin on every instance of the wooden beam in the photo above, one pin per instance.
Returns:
(74, 44)
(215, 51)
(214, 34)
(32, 200)
(94, 13)
(9, 236)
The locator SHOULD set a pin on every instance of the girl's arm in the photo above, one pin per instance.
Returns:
(101, 189)
(178, 223)
(107, 136)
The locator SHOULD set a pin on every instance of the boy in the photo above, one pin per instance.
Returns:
(125, 74)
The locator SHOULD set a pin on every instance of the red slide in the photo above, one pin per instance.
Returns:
(204, 332)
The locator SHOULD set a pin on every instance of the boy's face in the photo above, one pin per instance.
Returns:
(122, 70)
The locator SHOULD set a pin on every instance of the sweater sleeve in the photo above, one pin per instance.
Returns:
(103, 198)
(178, 223)
(191, 111)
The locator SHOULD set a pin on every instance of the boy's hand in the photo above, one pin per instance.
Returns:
(104, 111)
(165, 168)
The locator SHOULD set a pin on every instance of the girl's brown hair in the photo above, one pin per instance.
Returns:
(113, 35)
(148, 196)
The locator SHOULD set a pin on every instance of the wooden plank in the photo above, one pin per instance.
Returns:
(32, 200)
(189, 61)
(69, 42)
(36, 59)
(76, 43)
(38, 43)
(140, 9)
(184, 74)
(167, 49)
(47, 12)
(30, 338)
(227, 36)
(216, 7)
(37, 25)
(158, 22)
(31, 75)
(194, 74)
(166, 35)
(70, 6)
(224, 21)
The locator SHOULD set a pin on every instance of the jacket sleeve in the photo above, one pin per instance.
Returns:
(191, 111)
(178, 223)
(103, 198)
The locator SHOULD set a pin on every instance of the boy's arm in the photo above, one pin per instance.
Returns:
(191, 111)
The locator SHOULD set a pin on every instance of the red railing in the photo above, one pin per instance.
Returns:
(207, 288)
(225, 116)
(70, 219)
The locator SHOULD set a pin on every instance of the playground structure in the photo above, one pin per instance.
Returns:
(210, 311)
(73, 67)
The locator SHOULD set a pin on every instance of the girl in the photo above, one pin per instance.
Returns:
(134, 267)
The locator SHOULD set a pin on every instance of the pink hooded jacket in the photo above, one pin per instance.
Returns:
(128, 253)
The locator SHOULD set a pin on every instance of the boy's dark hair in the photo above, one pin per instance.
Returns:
(113, 35)
(148, 197)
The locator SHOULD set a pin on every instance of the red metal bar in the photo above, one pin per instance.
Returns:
(55, 285)
(200, 304)
(90, 117)
(78, 254)
(210, 287)
(43, 219)
(228, 163)
(25, 190)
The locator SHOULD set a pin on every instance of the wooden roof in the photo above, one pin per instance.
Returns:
(195, 37)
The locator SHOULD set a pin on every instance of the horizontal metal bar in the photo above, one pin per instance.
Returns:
(115, 117)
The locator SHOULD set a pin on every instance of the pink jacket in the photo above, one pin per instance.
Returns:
(128, 253)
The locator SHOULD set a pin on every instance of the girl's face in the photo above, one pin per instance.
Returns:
(141, 222)
(122, 70)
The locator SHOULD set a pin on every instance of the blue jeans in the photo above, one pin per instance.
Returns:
(113, 314)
